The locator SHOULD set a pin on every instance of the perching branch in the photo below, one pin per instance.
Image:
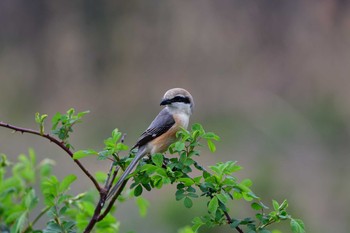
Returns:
(58, 143)
(102, 191)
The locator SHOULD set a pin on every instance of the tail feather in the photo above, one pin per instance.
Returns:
(139, 155)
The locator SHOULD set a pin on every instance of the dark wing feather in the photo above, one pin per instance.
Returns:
(162, 123)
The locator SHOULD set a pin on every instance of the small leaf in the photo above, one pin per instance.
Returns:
(81, 114)
(284, 205)
(149, 168)
(188, 202)
(212, 136)
(275, 205)
(30, 199)
(297, 226)
(179, 146)
(186, 181)
(235, 223)
(211, 146)
(179, 194)
(222, 198)
(256, 206)
(197, 223)
(213, 205)
(143, 205)
(197, 127)
(121, 146)
(83, 153)
(138, 190)
(20, 222)
(157, 159)
(101, 176)
(247, 182)
(37, 117)
(55, 120)
(66, 182)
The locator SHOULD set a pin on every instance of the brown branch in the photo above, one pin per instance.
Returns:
(111, 203)
(229, 221)
(97, 216)
(58, 143)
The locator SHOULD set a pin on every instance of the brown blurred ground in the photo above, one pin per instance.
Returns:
(270, 77)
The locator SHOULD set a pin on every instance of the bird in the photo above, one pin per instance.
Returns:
(161, 133)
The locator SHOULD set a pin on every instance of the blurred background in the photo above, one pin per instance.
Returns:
(270, 77)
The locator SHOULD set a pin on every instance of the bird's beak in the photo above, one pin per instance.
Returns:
(165, 102)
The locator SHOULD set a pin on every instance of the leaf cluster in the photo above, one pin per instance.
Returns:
(62, 124)
(218, 185)
(62, 211)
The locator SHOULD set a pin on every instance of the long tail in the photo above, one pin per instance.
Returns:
(139, 155)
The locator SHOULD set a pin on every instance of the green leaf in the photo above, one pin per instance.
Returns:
(212, 136)
(157, 159)
(149, 168)
(185, 229)
(121, 146)
(37, 118)
(275, 205)
(179, 146)
(284, 205)
(180, 194)
(235, 223)
(143, 205)
(186, 181)
(197, 127)
(138, 190)
(247, 182)
(56, 120)
(101, 176)
(256, 206)
(66, 182)
(213, 205)
(297, 226)
(116, 135)
(211, 146)
(30, 199)
(81, 114)
(19, 225)
(83, 153)
(188, 202)
(223, 198)
(197, 223)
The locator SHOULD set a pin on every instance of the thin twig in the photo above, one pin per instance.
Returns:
(97, 216)
(37, 218)
(109, 175)
(229, 221)
(108, 187)
(111, 203)
(58, 143)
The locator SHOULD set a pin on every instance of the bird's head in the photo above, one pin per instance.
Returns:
(178, 99)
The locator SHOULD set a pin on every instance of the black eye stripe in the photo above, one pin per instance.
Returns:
(181, 99)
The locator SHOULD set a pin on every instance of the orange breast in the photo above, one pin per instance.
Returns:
(161, 143)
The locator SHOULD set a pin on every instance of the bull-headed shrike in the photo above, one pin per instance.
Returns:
(162, 131)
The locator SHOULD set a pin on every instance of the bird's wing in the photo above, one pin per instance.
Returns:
(162, 123)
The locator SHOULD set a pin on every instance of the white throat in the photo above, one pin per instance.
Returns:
(180, 108)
